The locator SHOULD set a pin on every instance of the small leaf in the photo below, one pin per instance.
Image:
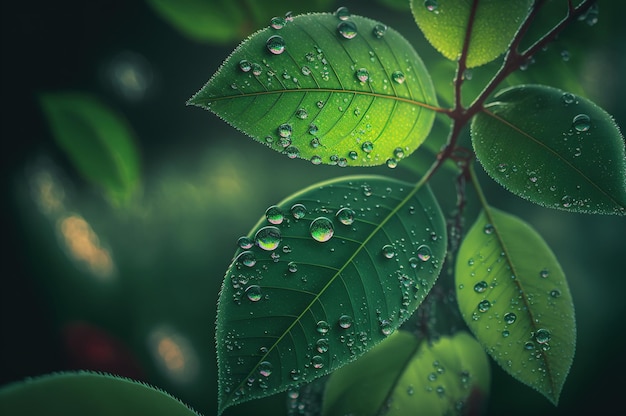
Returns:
(444, 24)
(98, 141)
(405, 376)
(553, 148)
(513, 295)
(322, 278)
(87, 393)
(348, 92)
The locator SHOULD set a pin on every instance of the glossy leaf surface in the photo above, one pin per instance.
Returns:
(97, 140)
(553, 148)
(405, 376)
(513, 295)
(350, 92)
(86, 393)
(325, 276)
(444, 23)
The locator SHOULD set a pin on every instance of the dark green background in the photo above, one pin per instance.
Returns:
(205, 184)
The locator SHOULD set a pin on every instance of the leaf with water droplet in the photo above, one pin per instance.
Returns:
(392, 378)
(97, 140)
(444, 23)
(511, 295)
(87, 393)
(343, 289)
(352, 85)
(567, 154)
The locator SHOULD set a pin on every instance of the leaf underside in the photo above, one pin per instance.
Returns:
(294, 310)
(514, 297)
(553, 148)
(363, 101)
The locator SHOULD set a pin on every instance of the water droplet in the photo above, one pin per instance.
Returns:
(284, 130)
(292, 152)
(321, 345)
(367, 190)
(432, 377)
(484, 305)
(321, 229)
(294, 374)
(398, 77)
(345, 321)
(510, 318)
(345, 216)
(410, 391)
(398, 152)
(313, 129)
(367, 146)
(342, 13)
(253, 293)
(385, 327)
(391, 163)
(274, 215)
(423, 252)
(555, 293)
(292, 267)
(480, 287)
(362, 74)
(322, 327)
(245, 66)
(298, 211)
(265, 368)
(431, 5)
(347, 29)
(275, 44)
(388, 251)
(532, 176)
(267, 238)
(289, 16)
(581, 122)
(566, 201)
(320, 104)
(506, 333)
(256, 69)
(542, 336)
(568, 98)
(488, 229)
(379, 31)
(565, 55)
(302, 114)
(246, 258)
(544, 273)
(414, 262)
(529, 346)
(440, 390)
(470, 262)
(502, 167)
(353, 155)
(317, 361)
(278, 22)
(245, 242)
(316, 160)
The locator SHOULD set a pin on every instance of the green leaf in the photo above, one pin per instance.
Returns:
(223, 21)
(444, 23)
(299, 307)
(308, 100)
(405, 376)
(97, 140)
(513, 295)
(554, 149)
(86, 393)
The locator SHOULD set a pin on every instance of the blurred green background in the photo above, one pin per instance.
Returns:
(131, 288)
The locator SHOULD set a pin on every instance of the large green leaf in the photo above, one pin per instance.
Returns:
(445, 23)
(363, 100)
(404, 376)
(97, 140)
(513, 295)
(225, 20)
(332, 271)
(553, 148)
(86, 393)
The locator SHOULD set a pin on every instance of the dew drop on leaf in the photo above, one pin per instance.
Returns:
(253, 293)
(529, 346)
(317, 361)
(292, 152)
(342, 13)
(379, 31)
(345, 216)
(398, 153)
(245, 242)
(298, 211)
(391, 163)
(246, 258)
(275, 44)
(362, 74)
(505, 333)
(322, 327)
(302, 114)
(321, 345)
(265, 368)
(284, 130)
(388, 251)
(245, 66)
(484, 305)
(256, 69)
(424, 252)
(267, 238)
(581, 122)
(510, 318)
(566, 201)
(568, 98)
(480, 287)
(292, 267)
(431, 5)
(278, 22)
(488, 229)
(316, 160)
(555, 293)
(544, 273)
(385, 327)
(321, 229)
(274, 215)
(398, 77)
(347, 29)
(345, 321)
(367, 147)
(542, 336)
